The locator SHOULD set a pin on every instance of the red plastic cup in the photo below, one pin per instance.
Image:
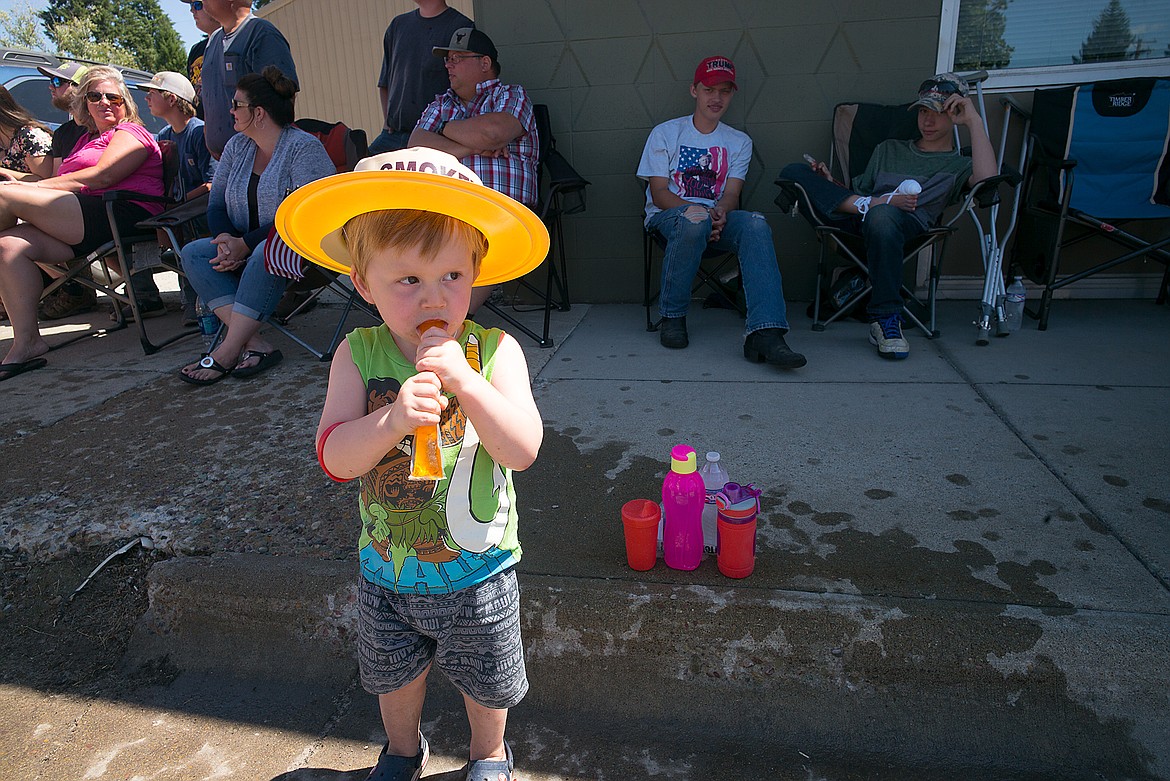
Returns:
(737, 545)
(640, 520)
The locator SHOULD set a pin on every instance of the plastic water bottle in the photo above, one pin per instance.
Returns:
(208, 324)
(683, 496)
(1013, 305)
(714, 478)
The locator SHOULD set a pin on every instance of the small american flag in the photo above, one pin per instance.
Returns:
(280, 260)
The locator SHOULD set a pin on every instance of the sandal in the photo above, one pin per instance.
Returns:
(10, 370)
(206, 362)
(266, 362)
(491, 769)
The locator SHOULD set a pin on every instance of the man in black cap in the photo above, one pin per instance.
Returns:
(487, 124)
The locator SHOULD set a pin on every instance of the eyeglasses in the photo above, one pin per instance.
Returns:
(196, 5)
(57, 82)
(455, 59)
(237, 105)
(941, 87)
(114, 98)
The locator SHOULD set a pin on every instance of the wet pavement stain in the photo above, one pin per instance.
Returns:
(879, 493)
(959, 480)
(1161, 505)
(1115, 480)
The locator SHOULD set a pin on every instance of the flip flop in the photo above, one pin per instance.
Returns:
(207, 362)
(10, 370)
(266, 362)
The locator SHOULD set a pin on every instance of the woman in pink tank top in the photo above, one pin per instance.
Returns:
(63, 216)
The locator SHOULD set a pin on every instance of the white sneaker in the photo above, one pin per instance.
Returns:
(886, 335)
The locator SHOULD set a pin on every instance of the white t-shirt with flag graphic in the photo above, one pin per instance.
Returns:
(696, 165)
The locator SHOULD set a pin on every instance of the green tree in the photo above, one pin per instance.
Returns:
(980, 43)
(1111, 38)
(137, 27)
(20, 28)
(77, 39)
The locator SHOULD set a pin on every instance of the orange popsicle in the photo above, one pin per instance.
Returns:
(426, 462)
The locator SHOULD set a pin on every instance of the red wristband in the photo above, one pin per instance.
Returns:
(321, 454)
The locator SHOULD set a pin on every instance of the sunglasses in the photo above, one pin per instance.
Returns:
(196, 5)
(237, 105)
(455, 59)
(941, 87)
(114, 98)
(57, 82)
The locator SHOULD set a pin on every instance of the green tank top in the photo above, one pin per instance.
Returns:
(428, 536)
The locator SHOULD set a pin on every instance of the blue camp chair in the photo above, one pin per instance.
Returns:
(1098, 157)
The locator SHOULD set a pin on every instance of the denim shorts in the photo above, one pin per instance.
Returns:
(472, 635)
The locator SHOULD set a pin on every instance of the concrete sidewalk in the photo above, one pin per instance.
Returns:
(963, 570)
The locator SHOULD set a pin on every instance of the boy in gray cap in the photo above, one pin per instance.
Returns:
(885, 220)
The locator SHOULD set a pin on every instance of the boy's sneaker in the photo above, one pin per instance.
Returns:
(886, 334)
(492, 769)
(391, 767)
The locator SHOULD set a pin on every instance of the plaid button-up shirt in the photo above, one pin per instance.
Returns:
(514, 174)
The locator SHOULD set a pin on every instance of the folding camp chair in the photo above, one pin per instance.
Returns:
(720, 275)
(562, 192)
(1098, 157)
(858, 128)
(108, 268)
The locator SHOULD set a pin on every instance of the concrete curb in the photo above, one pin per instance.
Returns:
(919, 683)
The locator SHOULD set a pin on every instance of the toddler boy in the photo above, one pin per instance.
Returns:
(415, 230)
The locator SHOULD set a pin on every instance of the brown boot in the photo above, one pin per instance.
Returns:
(66, 303)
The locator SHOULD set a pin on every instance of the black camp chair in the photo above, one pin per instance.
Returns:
(562, 191)
(1098, 158)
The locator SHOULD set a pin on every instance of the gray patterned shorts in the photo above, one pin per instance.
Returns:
(472, 635)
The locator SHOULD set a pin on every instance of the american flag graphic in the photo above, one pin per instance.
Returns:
(701, 172)
(280, 260)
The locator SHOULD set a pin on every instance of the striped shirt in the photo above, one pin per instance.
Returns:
(514, 174)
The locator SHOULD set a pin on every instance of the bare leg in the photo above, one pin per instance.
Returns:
(55, 212)
(402, 714)
(20, 286)
(487, 730)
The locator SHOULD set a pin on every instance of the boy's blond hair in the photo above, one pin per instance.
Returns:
(372, 232)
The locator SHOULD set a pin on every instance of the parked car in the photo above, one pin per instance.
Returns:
(30, 87)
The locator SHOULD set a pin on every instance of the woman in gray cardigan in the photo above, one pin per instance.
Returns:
(265, 161)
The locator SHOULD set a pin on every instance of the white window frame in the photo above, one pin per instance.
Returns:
(1045, 76)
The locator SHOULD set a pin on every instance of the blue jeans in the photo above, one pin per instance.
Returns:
(885, 231)
(254, 292)
(390, 141)
(747, 235)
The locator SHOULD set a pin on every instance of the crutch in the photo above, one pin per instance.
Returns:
(992, 248)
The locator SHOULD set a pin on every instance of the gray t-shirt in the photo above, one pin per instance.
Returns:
(411, 74)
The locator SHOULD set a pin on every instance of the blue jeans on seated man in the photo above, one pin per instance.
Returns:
(748, 235)
(390, 141)
(253, 291)
(885, 231)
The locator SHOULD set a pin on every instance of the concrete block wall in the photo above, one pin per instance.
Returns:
(610, 71)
